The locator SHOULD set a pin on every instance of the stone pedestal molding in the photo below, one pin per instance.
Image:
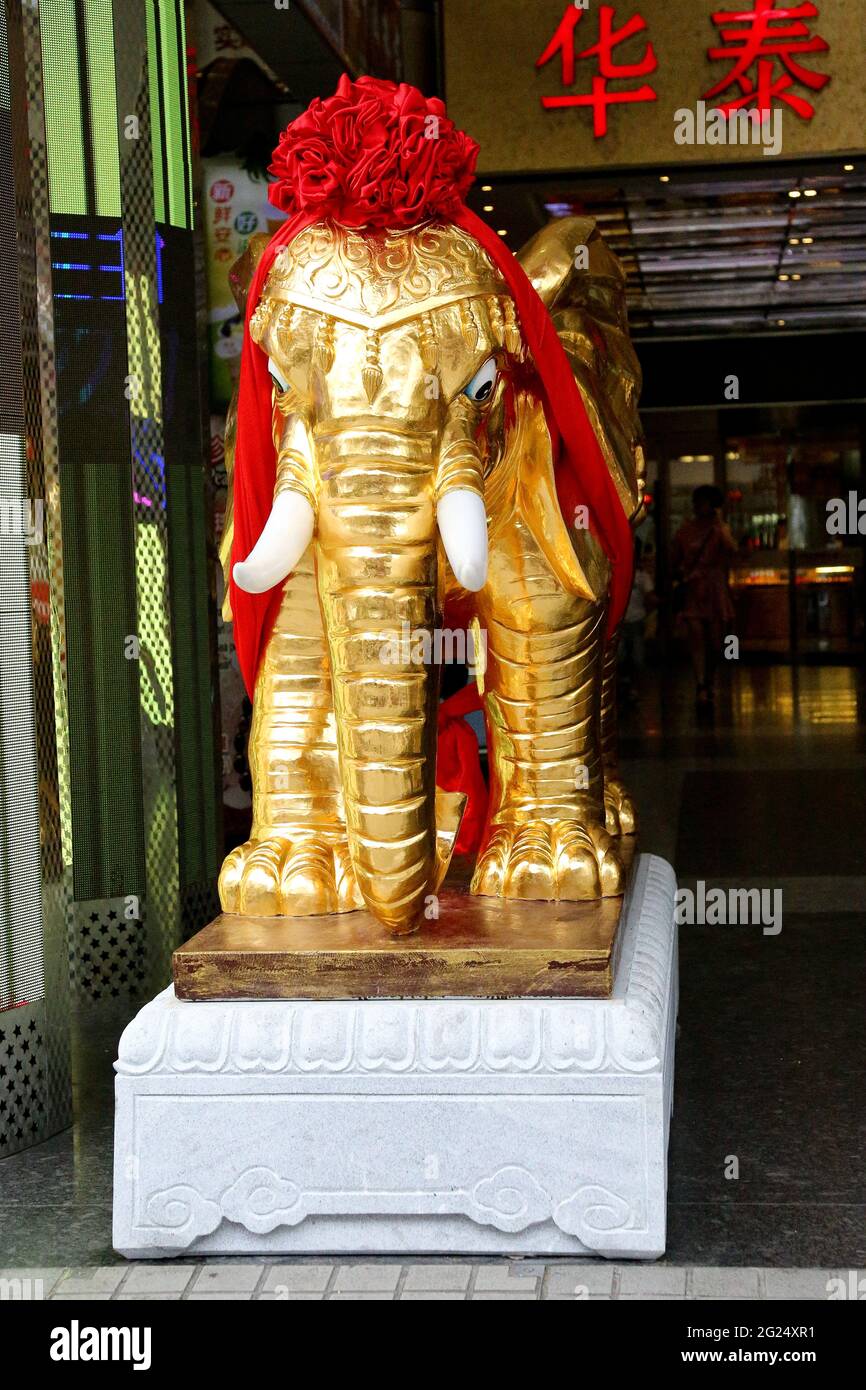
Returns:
(439, 1126)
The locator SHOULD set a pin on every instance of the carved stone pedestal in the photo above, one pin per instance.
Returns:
(422, 1126)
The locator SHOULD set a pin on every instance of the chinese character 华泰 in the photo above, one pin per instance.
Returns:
(600, 98)
(763, 37)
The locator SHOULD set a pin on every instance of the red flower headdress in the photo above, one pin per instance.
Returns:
(373, 155)
(380, 155)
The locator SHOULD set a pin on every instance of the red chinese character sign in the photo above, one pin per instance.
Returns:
(600, 97)
(765, 45)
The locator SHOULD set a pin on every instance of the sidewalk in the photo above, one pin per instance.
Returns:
(434, 1280)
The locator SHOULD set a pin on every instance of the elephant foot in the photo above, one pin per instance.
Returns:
(565, 860)
(620, 813)
(279, 877)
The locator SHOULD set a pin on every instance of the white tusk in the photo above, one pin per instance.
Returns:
(288, 531)
(277, 374)
(462, 522)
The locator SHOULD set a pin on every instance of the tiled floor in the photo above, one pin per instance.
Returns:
(768, 1133)
(433, 1280)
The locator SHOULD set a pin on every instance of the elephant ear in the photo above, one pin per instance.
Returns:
(583, 286)
(240, 279)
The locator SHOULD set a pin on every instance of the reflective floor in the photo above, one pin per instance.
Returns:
(769, 1125)
(767, 721)
(769, 1121)
(750, 700)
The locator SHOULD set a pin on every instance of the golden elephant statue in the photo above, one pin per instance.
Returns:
(405, 404)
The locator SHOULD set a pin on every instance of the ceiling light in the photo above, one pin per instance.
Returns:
(784, 277)
(780, 323)
(810, 192)
(807, 240)
(487, 188)
(849, 168)
(664, 178)
(794, 241)
(502, 231)
(796, 277)
(488, 207)
(686, 458)
(794, 193)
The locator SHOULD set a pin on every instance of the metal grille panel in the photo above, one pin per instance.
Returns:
(109, 956)
(35, 1094)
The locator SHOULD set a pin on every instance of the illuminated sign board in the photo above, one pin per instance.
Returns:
(578, 85)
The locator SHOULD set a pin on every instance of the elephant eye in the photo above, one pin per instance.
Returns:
(276, 375)
(481, 386)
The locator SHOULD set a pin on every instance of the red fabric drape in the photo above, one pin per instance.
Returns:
(458, 765)
(582, 476)
(255, 469)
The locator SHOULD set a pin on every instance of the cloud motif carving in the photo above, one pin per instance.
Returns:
(591, 1211)
(510, 1200)
(261, 1201)
(183, 1213)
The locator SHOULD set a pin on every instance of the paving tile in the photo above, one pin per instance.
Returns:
(505, 1277)
(34, 1283)
(158, 1278)
(367, 1278)
(576, 1281)
(799, 1283)
(362, 1296)
(724, 1283)
(227, 1278)
(291, 1296)
(305, 1278)
(166, 1296)
(846, 1284)
(570, 1298)
(502, 1295)
(651, 1297)
(80, 1297)
(433, 1296)
(97, 1279)
(225, 1296)
(645, 1279)
(440, 1277)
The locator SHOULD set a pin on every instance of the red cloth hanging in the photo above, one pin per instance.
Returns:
(255, 469)
(458, 765)
(582, 476)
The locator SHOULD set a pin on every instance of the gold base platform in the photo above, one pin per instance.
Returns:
(480, 948)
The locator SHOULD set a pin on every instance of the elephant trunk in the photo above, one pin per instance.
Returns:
(378, 576)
